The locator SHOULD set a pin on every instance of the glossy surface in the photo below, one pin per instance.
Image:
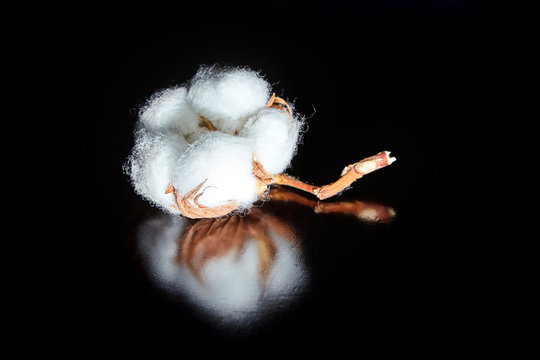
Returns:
(241, 269)
(290, 270)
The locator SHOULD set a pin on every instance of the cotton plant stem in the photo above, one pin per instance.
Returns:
(287, 180)
(353, 172)
(350, 174)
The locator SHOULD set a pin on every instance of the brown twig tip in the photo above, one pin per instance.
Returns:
(391, 159)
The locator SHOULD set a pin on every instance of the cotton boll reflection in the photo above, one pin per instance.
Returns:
(239, 268)
(236, 268)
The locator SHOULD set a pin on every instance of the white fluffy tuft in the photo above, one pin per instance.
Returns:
(275, 136)
(228, 97)
(225, 162)
(168, 111)
(152, 163)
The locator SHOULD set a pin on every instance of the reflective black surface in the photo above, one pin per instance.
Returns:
(240, 270)
(291, 273)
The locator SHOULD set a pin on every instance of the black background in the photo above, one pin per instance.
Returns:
(421, 80)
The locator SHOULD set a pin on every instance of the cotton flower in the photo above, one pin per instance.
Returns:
(214, 146)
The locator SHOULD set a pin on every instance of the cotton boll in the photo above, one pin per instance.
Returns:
(228, 96)
(275, 135)
(172, 148)
(226, 162)
(168, 111)
(152, 163)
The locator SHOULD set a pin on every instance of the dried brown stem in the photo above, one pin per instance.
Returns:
(287, 180)
(349, 174)
(353, 172)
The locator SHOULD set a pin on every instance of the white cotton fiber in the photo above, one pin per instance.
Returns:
(228, 97)
(176, 145)
(275, 136)
(168, 111)
(226, 161)
(152, 163)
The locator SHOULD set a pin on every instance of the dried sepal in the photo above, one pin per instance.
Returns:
(278, 103)
(204, 122)
(262, 177)
(190, 206)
